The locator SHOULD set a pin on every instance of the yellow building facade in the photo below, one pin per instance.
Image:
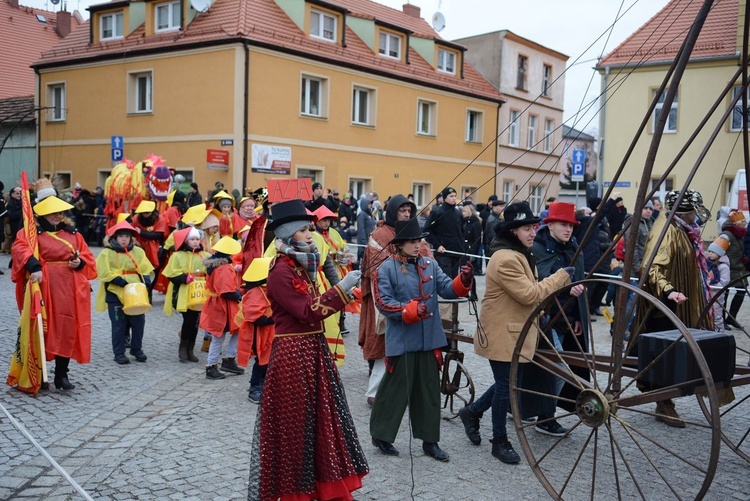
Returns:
(338, 111)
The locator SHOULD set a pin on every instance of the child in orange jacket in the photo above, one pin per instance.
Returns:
(221, 308)
(257, 328)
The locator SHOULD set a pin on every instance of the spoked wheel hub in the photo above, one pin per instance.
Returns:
(592, 408)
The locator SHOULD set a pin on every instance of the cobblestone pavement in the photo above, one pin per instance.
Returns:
(160, 430)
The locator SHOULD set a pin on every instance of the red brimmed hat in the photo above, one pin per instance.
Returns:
(323, 212)
(120, 227)
(562, 212)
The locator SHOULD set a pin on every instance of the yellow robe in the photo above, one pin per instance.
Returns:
(111, 264)
(182, 263)
(331, 323)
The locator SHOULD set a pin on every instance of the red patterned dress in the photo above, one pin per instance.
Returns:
(305, 444)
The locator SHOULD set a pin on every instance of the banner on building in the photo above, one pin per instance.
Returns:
(268, 159)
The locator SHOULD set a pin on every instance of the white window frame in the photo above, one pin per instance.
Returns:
(531, 136)
(315, 174)
(514, 128)
(546, 79)
(735, 121)
(426, 127)
(318, 25)
(113, 17)
(549, 135)
(307, 106)
(509, 190)
(536, 197)
(385, 40)
(139, 103)
(522, 71)
(56, 101)
(359, 186)
(421, 192)
(668, 128)
(358, 93)
(474, 126)
(665, 187)
(447, 61)
(172, 8)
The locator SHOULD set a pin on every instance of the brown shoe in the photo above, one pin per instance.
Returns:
(206, 344)
(667, 414)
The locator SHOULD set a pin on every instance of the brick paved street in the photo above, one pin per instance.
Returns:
(160, 430)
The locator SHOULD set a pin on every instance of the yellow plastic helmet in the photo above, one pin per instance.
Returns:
(228, 246)
(258, 270)
(51, 205)
(122, 216)
(192, 213)
(170, 198)
(145, 207)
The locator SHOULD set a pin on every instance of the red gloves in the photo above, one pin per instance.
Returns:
(414, 312)
(467, 274)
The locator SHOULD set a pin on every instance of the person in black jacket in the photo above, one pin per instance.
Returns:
(14, 215)
(472, 228)
(616, 212)
(194, 197)
(445, 233)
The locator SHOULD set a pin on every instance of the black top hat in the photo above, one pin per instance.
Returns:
(288, 211)
(519, 214)
(407, 230)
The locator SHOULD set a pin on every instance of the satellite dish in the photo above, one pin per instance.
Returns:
(438, 21)
(200, 5)
(54, 2)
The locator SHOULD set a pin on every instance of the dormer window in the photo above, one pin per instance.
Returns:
(322, 25)
(167, 16)
(446, 61)
(111, 26)
(389, 45)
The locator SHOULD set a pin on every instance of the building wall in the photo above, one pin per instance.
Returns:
(197, 103)
(699, 87)
(18, 155)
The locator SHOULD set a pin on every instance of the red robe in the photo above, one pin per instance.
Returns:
(151, 247)
(218, 313)
(172, 216)
(255, 304)
(66, 292)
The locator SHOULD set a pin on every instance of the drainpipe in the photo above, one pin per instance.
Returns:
(38, 124)
(246, 117)
(497, 144)
(602, 117)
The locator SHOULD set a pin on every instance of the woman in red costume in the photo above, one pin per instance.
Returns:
(305, 444)
(63, 270)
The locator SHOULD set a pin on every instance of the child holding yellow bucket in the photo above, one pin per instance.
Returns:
(186, 292)
(256, 325)
(221, 308)
(124, 270)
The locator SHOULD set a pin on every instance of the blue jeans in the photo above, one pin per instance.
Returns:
(497, 397)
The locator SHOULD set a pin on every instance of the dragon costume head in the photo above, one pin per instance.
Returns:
(157, 177)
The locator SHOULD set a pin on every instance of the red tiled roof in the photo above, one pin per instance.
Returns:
(660, 38)
(263, 23)
(23, 39)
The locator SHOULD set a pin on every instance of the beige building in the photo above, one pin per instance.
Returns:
(530, 77)
(632, 74)
(350, 93)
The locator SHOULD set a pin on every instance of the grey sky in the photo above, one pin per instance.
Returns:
(578, 28)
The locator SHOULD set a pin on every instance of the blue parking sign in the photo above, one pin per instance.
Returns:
(117, 154)
(118, 148)
(578, 169)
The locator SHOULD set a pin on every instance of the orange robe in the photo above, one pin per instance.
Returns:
(66, 292)
(218, 313)
(255, 304)
(172, 216)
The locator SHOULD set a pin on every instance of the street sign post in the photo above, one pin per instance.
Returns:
(579, 166)
(118, 149)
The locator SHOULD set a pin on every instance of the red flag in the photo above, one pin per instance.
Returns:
(253, 243)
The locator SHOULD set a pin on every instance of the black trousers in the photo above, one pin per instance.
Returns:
(120, 324)
(190, 319)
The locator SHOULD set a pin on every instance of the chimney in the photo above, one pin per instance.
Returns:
(412, 10)
(63, 23)
(13, 3)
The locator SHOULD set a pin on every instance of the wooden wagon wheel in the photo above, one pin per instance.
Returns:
(735, 436)
(612, 431)
(456, 383)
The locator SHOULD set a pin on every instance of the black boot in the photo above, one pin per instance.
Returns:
(212, 372)
(182, 354)
(344, 330)
(503, 451)
(190, 355)
(470, 419)
(230, 365)
(433, 450)
(61, 374)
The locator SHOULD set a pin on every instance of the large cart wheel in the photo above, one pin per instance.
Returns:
(735, 429)
(615, 447)
(456, 383)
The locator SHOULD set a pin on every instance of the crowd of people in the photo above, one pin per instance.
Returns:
(273, 282)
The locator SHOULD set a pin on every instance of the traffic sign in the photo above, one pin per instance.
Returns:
(118, 148)
(579, 166)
